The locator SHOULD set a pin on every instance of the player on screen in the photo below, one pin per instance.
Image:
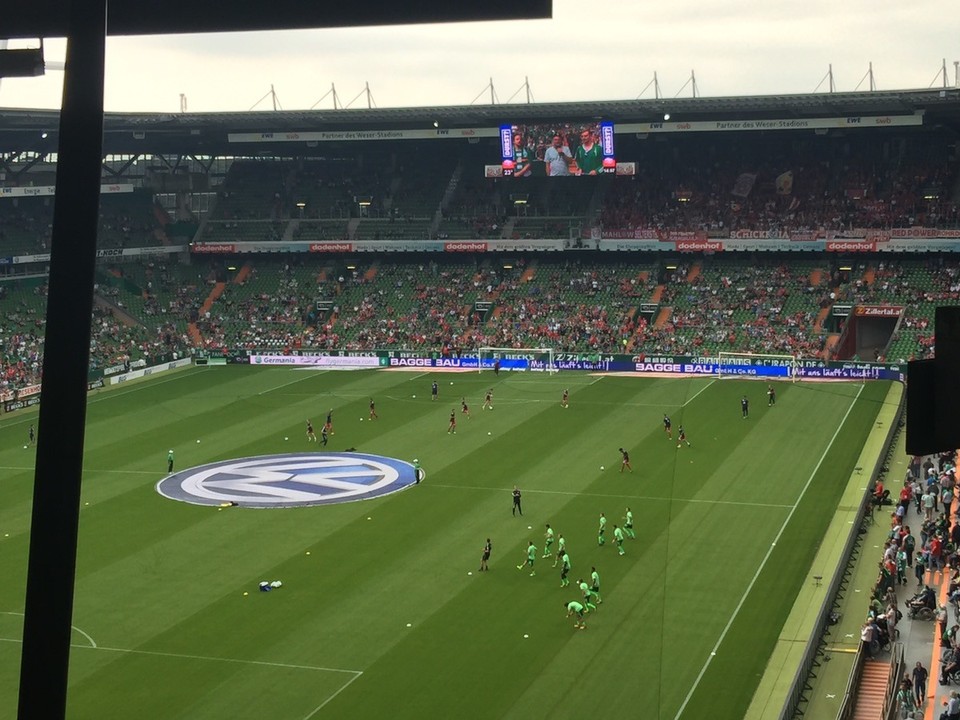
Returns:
(589, 154)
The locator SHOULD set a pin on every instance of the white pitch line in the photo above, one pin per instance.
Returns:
(763, 564)
(320, 372)
(324, 703)
(610, 495)
(694, 397)
(92, 642)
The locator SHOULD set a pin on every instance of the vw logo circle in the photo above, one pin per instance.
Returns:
(289, 480)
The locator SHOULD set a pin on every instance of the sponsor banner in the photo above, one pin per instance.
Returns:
(851, 246)
(104, 253)
(23, 392)
(630, 234)
(325, 247)
(465, 247)
(626, 168)
(922, 232)
(363, 135)
(50, 190)
(633, 245)
(919, 246)
(115, 369)
(397, 246)
(25, 259)
(148, 371)
(681, 235)
(772, 246)
(699, 245)
(851, 121)
(6, 260)
(213, 248)
(320, 361)
(30, 396)
(883, 311)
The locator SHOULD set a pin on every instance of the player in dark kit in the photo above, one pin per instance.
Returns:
(452, 427)
(330, 421)
(516, 502)
(487, 548)
(667, 426)
(682, 437)
(373, 410)
(745, 407)
(311, 436)
(434, 390)
(324, 434)
(496, 367)
(626, 461)
(463, 407)
(771, 396)
(32, 435)
(565, 400)
(488, 400)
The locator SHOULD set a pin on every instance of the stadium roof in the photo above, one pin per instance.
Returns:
(206, 133)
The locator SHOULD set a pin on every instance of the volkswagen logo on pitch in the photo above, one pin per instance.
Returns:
(290, 480)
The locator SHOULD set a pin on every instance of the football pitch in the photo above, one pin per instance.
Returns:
(383, 612)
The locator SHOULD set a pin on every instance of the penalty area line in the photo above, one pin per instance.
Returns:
(322, 705)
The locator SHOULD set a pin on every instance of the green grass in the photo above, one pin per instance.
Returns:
(160, 583)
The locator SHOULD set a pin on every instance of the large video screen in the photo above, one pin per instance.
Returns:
(560, 149)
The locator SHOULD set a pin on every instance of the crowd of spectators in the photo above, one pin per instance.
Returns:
(921, 555)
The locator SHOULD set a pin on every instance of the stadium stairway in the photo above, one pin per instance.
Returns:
(821, 317)
(657, 294)
(663, 316)
(694, 272)
(869, 275)
(195, 335)
(829, 345)
(217, 291)
(371, 273)
(243, 274)
(816, 277)
(530, 272)
(873, 690)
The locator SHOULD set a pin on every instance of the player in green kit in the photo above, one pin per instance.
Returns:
(595, 584)
(561, 549)
(618, 536)
(575, 608)
(531, 556)
(547, 541)
(564, 570)
(603, 528)
(628, 524)
(585, 589)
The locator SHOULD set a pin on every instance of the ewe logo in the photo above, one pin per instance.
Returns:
(289, 480)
